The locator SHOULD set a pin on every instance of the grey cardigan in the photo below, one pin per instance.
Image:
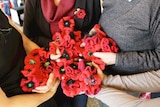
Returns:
(135, 26)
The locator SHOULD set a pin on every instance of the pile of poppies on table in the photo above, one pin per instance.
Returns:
(74, 67)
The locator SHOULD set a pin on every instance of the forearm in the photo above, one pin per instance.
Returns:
(117, 98)
(33, 100)
(136, 82)
(28, 44)
(29, 100)
(137, 62)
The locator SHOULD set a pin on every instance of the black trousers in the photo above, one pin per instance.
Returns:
(155, 95)
(50, 103)
(61, 100)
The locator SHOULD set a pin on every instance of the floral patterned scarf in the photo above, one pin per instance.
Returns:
(53, 13)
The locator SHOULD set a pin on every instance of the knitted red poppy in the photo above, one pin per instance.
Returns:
(71, 87)
(80, 13)
(29, 84)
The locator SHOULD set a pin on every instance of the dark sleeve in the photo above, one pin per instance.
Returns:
(35, 27)
(29, 11)
(136, 62)
(3, 19)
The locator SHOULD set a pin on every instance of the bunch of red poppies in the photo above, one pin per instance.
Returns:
(74, 68)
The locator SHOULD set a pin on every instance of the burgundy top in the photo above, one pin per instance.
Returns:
(53, 14)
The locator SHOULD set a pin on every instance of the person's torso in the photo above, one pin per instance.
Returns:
(11, 58)
(91, 18)
(128, 22)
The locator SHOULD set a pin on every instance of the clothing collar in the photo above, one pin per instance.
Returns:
(53, 13)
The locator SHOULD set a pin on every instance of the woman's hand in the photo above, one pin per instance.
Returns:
(99, 71)
(107, 57)
(56, 56)
(51, 85)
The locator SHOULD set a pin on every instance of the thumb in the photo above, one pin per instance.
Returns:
(57, 82)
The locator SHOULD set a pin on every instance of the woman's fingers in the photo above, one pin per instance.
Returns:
(99, 71)
(99, 54)
(82, 44)
(54, 88)
(56, 56)
(41, 89)
(107, 57)
(51, 82)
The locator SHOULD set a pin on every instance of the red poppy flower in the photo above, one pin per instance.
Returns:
(64, 61)
(32, 60)
(28, 70)
(72, 71)
(105, 45)
(42, 77)
(43, 52)
(108, 45)
(91, 80)
(76, 35)
(88, 55)
(71, 87)
(69, 43)
(52, 47)
(66, 24)
(49, 67)
(113, 45)
(92, 42)
(46, 67)
(92, 84)
(86, 73)
(59, 72)
(46, 52)
(80, 13)
(29, 84)
(34, 52)
(79, 50)
(89, 45)
(58, 38)
(98, 29)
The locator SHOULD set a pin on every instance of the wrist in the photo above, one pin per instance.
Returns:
(104, 79)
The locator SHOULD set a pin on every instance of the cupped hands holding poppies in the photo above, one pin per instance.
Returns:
(51, 85)
(69, 61)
